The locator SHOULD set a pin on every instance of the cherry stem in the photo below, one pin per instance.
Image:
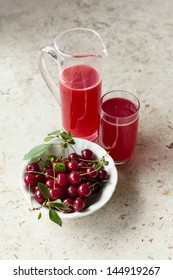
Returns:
(72, 148)
(42, 173)
(53, 174)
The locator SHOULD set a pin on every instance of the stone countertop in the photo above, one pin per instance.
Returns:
(137, 223)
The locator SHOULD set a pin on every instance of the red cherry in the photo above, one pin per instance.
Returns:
(84, 190)
(82, 165)
(87, 154)
(32, 166)
(69, 202)
(71, 165)
(49, 173)
(93, 187)
(39, 197)
(40, 178)
(79, 204)
(102, 175)
(50, 183)
(72, 191)
(57, 193)
(30, 179)
(61, 180)
(73, 156)
(74, 178)
(91, 172)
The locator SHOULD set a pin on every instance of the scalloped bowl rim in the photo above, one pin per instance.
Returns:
(106, 192)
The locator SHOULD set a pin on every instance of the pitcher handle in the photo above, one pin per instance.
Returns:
(45, 73)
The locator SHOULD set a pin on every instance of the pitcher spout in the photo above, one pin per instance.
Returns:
(80, 42)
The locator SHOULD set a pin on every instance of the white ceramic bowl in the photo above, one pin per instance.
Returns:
(103, 195)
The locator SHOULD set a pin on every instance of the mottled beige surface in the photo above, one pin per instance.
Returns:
(137, 223)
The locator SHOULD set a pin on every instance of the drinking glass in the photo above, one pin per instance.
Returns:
(119, 115)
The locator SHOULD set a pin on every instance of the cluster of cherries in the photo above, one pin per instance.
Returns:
(72, 179)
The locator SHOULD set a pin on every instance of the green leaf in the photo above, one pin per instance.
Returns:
(37, 151)
(44, 190)
(52, 156)
(106, 162)
(55, 133)
(39, 216)
(52, 135)
(65, 145)
(60, 166)
(48, 138)
(64, 135)
(54, 217)
(98, 166)
(69, 136)
(46, 163)
(58, 204)
(72, 142)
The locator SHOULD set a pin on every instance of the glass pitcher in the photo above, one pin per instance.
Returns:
(79, 54)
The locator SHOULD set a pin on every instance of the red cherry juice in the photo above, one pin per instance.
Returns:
(115, 136)
(80, 92)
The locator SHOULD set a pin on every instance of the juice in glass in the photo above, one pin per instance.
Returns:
(119, 124)
(80, 92)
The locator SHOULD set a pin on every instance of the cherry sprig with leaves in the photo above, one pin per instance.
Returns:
(65, 139)
(51, 205)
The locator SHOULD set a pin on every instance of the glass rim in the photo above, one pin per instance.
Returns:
(121, 119)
